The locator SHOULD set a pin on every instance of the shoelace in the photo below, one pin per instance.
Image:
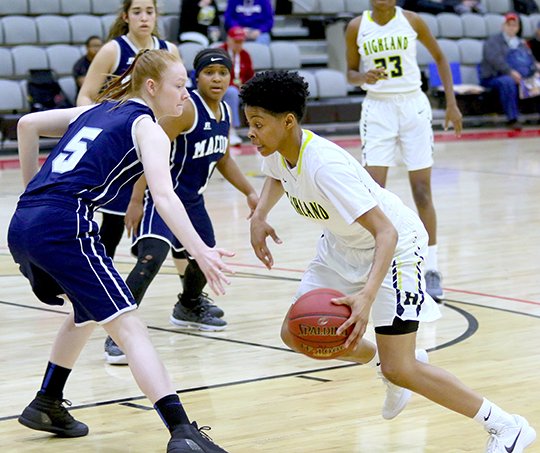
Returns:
(58, 410)
(493, 441)
(201, 430)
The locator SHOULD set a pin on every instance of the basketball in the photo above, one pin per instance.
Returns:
(313, 322)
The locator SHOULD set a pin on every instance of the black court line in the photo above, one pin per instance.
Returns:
(313, 378)
(505, 310)
(138, 406)
(122, 401)
(471, 329)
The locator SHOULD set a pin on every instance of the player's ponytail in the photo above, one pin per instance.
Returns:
(148, 64)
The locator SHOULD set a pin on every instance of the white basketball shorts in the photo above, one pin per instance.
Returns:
(393, 123)
(403, 292)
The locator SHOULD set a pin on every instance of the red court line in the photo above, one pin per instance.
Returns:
(249, 150)
(511, 299)
(349, 142)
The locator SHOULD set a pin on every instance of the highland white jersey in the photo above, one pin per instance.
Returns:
(392, 46)
(330, 187)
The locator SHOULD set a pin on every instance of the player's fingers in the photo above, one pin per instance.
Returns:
(223, 252)
(275, 237)
(346, 324)
(341, 301)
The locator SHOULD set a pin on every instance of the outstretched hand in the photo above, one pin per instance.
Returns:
(214, 268)
(260, 230)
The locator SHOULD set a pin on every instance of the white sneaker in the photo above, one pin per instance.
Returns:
(511, 439)
(398, 397)
(234, 138)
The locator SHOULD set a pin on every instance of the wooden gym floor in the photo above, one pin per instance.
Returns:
(256, 394)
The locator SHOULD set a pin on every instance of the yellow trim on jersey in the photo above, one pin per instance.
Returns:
(309, 136)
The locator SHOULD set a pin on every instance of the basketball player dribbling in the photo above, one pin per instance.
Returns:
(371, 249)
(396, 114)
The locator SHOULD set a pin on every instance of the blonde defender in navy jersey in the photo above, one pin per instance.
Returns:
(103, 148)
(396, 114)
(371, 249)
(134, 29)
(200, 145)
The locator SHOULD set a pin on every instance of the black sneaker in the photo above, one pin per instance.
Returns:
(191, 438)
(47, 413)
(113, 354)
(205, 300)
(198, 317)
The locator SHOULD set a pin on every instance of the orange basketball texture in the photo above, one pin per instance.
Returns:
(313, 322)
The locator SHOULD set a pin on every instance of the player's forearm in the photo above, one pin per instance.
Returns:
(28, 144)
(232, 173)
(385, 246)
(271, 192)
(137, 194)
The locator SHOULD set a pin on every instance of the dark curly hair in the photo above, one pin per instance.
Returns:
(277, 92)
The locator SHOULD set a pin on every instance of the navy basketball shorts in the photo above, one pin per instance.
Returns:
(58, 250)
(153, 226)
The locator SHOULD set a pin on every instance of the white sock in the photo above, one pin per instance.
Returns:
(432, 262)
(490, 415)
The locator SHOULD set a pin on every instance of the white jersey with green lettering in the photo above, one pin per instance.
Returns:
(392, 46)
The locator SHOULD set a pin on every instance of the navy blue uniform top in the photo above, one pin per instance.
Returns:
(128, 51)
(195, 153)
(95, 158)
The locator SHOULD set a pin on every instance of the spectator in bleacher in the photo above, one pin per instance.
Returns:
(199, 22)
(502, 68)
(534, 44)
(256, 17)
(242, 70)
(466, 6)
(80, 68)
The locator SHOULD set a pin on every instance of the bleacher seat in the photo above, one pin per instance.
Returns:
(285, 55)
(11, 97)
(19, 30)
(450, 26)
(527, 29)
(75, 7)
(36, 7)
(28, 57)
(450, 49)
(69, 87)
(333, 7)
(499, 6)
(423, 57)
(52, 29)
(13, 7)
(493, 23)
(305, 6)
(169, 6)
(330, 83)
(260, 55)
(106, 23)
(470, 51)
(62, 57)
(469, 75)
(6, 63)
(188, 50)
(83, 26)
(106, 6)
(309, 77)
(357, 6)
(474, 26)
(431, 22)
